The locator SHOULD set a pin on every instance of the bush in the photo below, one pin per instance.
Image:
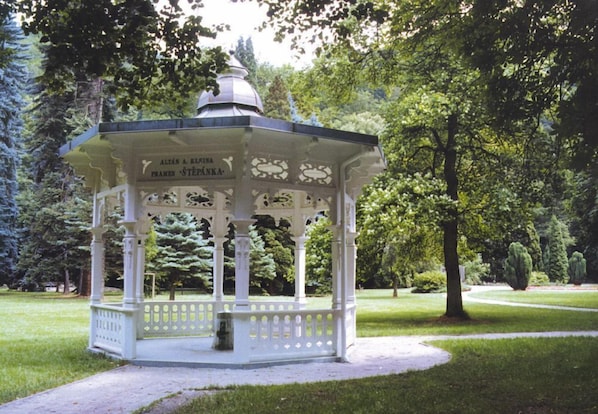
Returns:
(539, 279)
(429, 282)
(476, 271)
(577, 268)
(518, 266)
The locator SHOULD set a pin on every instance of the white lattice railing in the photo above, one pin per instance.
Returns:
(108, 328)
(193, 318)
(180, 318)
(287, 334)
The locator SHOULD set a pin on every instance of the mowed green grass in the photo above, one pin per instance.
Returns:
(43, 341)
(43, 337)
(564, 297)
(555, 375)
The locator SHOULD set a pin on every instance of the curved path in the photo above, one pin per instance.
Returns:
(129, 388)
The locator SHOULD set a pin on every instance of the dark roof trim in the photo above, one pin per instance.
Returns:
(220, 122)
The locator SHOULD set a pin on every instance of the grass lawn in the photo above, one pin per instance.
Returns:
(554, 375)
(43, 340)
(565, 297)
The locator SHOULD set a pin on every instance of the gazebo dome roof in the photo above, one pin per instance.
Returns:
(236, 97)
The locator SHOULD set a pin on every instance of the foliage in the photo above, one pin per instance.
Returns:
(262, 269)
(518, 266)
(539, 279)
(146, 55)
(476, 271)
(184, 257)
(13, 78)
(584, 208)
(397, 235)
(244, 52)
(577, 268)
(278, 244)
(557, 258)
(429, 282)
(318, 257)
(276, 102)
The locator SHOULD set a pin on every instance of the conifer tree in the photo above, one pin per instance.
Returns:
(244, 52)
(12, 82)
(557, 260)
(518, 266)
(577, 268)
(262, 269)
(276, 102)
(183, 254)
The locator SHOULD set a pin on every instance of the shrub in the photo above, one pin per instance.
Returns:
(557, 257)
(539, 279)
(476, 271)
(518, 266)
(428, 282)
(577, 268)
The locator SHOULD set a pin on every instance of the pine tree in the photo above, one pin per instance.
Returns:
(244, 52)
(276, 102)
(51, 241)
(13, 77)
(183, 254)
(518, 266)
(557, 260)
(577, 268)
(262, 269)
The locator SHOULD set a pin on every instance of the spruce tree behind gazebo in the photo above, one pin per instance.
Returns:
(224, 166)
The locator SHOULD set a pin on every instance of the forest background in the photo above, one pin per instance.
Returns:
(487, 112)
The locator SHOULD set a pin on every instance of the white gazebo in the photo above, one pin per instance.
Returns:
(224, 166)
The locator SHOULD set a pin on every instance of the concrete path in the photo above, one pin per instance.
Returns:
(129, 388)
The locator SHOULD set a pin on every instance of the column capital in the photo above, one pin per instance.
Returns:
(242, 225)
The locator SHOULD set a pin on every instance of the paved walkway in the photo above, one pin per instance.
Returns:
(129, 388)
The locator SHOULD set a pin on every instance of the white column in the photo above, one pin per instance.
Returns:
(97, 265)
(140, 263)
(218, 270)
(336, 266)
(300, 270)
(351, 266)
(129, 261)
(242, 252)
(140, 282)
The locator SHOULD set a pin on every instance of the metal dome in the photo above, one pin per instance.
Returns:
(236, 97)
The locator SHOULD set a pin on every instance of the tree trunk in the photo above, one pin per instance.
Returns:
(85, 282)
(172, 291)
(67, 282)
(395, 286)
(454, 300)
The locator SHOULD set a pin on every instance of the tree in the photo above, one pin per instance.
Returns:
(557, 259)
(262, 269)
(397, 236)
(276, 102)
(146, 55)
(577, 268)
(183, 254)
(279, 245)
(318, 256)
(439, 124)
(540, 56)
(518, 266)
(13, 78)
(244, 52)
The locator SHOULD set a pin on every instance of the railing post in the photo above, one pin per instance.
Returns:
(241, 337)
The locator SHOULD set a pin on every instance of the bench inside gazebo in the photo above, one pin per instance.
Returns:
(224, 166)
